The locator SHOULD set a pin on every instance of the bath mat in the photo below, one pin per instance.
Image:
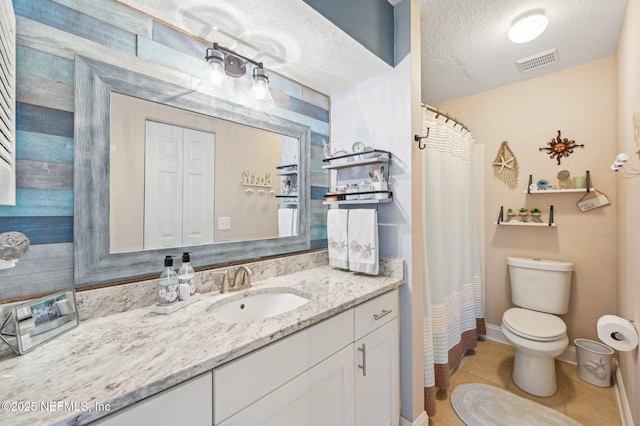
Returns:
(477, 404)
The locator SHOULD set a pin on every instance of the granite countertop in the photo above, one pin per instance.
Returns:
(123, 358)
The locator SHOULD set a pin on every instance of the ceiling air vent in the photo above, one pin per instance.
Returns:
(538, 61)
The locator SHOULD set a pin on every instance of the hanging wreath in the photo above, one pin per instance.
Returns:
(505, 166)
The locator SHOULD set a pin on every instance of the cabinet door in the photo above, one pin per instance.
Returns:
(321, 396)
(378, 377)
(245, 380)
(189, 403)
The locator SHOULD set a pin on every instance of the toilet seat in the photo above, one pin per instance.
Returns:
(534, 325)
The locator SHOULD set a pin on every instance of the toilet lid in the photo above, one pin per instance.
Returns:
(534, 325)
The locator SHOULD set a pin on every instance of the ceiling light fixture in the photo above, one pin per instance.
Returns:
(528, 26)
(224, 63)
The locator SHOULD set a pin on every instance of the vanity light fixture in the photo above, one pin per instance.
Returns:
(214, 73)
(528, 26)
(225, 63)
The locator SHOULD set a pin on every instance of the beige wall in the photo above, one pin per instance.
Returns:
(252, 216)
(580, 101)
(628, 90)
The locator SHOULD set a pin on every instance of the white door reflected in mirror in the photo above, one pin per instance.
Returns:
(179, 186)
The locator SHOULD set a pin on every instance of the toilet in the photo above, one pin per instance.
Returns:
(540, 290)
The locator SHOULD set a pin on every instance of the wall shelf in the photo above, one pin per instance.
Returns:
(557, 191)
(502, 222)
(284, 200)
(523, 224)
(289, 179)
(368, 196)
(367, 201)
(357, 159)
(287, 170)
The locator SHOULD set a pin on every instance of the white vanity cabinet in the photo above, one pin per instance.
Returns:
(189, 403)
(376, 361)
(343, 371)
(321, 396)
(351, 376)
(303, 379)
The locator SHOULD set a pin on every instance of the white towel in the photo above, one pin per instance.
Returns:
(285, 222)
(363, 241)
(294, 226)
(337, 238)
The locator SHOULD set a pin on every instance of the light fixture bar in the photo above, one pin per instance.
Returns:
(225, 63)
(210, 52)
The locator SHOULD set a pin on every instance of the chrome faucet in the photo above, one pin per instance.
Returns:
(225, 281)
(242, 279)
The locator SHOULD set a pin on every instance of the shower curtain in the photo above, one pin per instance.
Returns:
(454, 291)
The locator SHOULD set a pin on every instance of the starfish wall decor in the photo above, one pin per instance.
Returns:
(505, 166)
(559, 147)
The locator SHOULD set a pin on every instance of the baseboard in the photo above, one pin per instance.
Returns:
(623, 403)
(421, 420)
(494, 333)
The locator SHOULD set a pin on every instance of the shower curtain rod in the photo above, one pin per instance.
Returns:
(447, 116)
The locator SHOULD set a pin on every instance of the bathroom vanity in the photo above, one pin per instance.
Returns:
(333, 360)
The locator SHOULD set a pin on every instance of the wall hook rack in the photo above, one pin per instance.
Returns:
(418, 139)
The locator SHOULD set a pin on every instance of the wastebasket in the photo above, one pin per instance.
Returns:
(594, 362)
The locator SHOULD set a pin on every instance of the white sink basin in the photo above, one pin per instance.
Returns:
(256, 305)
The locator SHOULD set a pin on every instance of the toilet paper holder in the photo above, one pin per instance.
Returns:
(619, 336)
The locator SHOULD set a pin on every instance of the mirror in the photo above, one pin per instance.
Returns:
(179, 178)
(39, 321)
(97, 84)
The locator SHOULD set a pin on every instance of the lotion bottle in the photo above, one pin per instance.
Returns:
(169, 286)
(186, 274)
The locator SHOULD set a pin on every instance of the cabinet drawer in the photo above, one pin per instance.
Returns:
(375, 313)
(245, 380)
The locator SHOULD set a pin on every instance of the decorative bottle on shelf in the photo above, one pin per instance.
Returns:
(186, 275)
(169, 286)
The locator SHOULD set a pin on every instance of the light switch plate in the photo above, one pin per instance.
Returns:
(224, 223)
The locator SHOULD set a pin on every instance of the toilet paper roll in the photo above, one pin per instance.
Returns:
(617, 332)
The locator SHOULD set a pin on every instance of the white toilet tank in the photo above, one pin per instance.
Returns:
(540, 284)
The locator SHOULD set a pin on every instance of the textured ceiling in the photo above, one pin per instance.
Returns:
(465, 49)
(289, 36)
(464, 45)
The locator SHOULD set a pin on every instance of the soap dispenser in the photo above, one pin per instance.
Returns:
(186, 274)
(169, 285)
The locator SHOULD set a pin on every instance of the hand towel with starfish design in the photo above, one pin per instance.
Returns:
(363, 241)
(337, 238)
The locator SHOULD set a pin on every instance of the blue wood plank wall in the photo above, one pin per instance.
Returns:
(49, 34)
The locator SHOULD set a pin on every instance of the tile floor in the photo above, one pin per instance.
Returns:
(492, 363)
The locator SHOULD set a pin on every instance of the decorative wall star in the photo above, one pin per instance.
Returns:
(504, 163)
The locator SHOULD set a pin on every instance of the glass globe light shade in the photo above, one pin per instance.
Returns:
(528, 27)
